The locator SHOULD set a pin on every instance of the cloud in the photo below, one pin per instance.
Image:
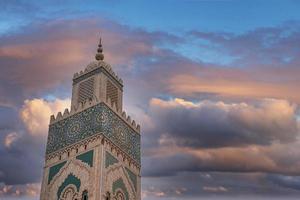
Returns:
(24, 143)
(219, 185)
(46, 55)
(204, 136)
(30, 190)
(214, 189)
(236, 83)
(10, 139)
(217, 124)
(171, 160)
(54, 50)
(35, 114)
(264, 64)
(153, 191)
(261, 47)
(292, 182)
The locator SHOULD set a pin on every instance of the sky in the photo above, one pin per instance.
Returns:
(213, 83)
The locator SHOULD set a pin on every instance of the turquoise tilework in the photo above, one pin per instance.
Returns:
(87, 157)
(110, 159)
(54, 170)
(94, 120)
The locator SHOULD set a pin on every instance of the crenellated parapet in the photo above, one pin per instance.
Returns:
(92, 102)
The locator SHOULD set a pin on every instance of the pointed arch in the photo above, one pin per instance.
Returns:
(113, 174)
(69, 192)
(78, 169)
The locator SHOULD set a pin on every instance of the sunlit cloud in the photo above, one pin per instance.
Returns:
(232, 86)
(198, 124)
(10, 139)
(36, 113)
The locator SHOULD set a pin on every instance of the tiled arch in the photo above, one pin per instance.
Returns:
(114, 173)
(77, 168)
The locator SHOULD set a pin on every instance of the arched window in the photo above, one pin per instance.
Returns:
(85, 195)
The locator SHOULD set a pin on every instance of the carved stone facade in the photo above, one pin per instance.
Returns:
(93, 150)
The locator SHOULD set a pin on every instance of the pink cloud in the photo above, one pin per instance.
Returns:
(236, 83)
(45, 56)
(36, 113)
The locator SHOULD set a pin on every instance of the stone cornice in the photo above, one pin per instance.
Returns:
(93, 67)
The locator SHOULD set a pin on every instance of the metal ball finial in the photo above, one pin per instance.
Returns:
(99, 54)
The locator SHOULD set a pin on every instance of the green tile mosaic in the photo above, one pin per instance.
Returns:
(54, 170)
(110, 159)
(94, 120)
(87, 157)
(71, 179)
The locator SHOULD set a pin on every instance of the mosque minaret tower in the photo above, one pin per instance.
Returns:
(93, 149)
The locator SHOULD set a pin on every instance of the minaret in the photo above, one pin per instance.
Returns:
(97, 81)
(93, 150)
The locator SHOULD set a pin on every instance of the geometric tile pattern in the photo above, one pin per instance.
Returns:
(98, 119)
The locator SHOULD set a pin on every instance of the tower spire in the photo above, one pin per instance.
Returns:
(99, 54)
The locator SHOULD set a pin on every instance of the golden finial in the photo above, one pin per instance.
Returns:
(99, 54)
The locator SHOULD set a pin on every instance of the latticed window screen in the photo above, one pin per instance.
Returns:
(86, 90)
(112, 92)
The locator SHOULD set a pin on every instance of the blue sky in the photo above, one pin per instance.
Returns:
(169, 15)
(230, 67)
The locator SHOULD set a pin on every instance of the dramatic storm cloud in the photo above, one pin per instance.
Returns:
(217, 136)
(218, 124)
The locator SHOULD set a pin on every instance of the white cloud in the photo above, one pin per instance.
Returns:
(10, 139)
(36, 113)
